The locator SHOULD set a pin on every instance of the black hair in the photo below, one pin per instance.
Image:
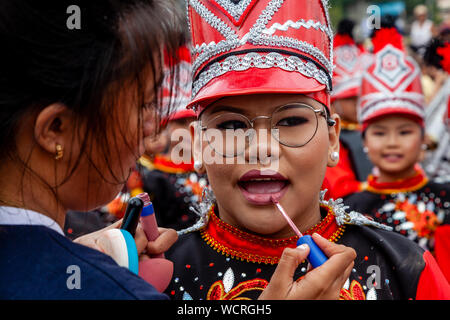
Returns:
(431, 57)
(345, 27)
(43, 61)
(386, 22)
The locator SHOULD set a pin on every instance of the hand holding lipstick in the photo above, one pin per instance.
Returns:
(315, 257)
(145, 248)
(322, 283)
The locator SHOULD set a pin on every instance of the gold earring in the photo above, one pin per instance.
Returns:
(59, 152)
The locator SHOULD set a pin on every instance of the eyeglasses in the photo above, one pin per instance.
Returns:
(293, 125)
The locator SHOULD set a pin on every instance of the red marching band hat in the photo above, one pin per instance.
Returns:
(179, 96)
(350, 62)
(392, 84)
(260, 46)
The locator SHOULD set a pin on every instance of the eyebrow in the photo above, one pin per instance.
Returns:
(226, 108)
(378, 126)
(221, 108)
(405, 125)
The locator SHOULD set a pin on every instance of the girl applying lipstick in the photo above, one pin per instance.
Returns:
(242, 248)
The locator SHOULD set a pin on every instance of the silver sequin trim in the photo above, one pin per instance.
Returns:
(235, 10)
(353, 217)
(201, 209)
(390, 104)
(287, 42)
(261, 61)
(297, 25)
(213, 20)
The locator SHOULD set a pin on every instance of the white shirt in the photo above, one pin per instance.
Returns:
(421, 34)
(20, 216)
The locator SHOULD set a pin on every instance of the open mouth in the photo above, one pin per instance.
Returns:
(392, 157)
(258, 187)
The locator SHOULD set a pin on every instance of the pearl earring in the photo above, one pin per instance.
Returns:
(334, 156)
(197, 165)
(366, 150)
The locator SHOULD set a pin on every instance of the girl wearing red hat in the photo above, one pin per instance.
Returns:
(392, 115)
(264, 66)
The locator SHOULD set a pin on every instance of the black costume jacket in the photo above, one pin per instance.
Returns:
(415, 207)
(351, 139)
(221, 262)
(173, 188)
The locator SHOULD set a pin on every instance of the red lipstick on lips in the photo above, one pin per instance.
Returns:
(259, 187)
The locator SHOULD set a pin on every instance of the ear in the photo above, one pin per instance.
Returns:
(53, 125)
(365, 147)
(333, 134)
(197, 146)
(423, 148)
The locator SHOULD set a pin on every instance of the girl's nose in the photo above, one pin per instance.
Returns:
(263, 148)
(392, 139)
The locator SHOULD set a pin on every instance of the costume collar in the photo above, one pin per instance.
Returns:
(165, 164)
(414, 183)
(231, 241)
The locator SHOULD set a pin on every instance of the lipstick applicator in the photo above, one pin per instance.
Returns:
(315, 257)
(157, 270)
(148, 219)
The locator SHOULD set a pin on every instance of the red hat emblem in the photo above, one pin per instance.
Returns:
(176, 96)
(391, 67)
(260, 46)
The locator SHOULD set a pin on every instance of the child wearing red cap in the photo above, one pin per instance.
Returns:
(267, 66)
(392, 116)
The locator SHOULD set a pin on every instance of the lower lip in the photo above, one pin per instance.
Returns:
(263, 199)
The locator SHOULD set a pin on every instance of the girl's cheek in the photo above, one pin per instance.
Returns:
(374, 150)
